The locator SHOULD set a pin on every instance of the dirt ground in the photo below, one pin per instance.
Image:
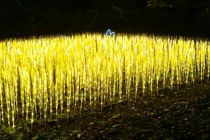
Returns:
(177, 114)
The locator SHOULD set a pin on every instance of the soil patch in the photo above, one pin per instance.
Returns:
(177, 114)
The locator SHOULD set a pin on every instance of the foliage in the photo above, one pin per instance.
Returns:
(158, 3)
(57, 77)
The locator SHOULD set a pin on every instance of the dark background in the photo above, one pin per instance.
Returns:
(24, 18)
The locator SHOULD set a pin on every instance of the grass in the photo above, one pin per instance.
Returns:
(43, 78)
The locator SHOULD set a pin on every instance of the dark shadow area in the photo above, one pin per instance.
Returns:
(21, 18)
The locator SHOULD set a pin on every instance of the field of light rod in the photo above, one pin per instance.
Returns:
(43, 78)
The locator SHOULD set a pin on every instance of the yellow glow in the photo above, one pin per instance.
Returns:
(67, 74)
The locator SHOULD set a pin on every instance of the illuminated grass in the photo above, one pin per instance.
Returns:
(43, 78)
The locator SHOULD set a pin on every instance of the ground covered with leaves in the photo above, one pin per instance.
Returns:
(178, 114)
